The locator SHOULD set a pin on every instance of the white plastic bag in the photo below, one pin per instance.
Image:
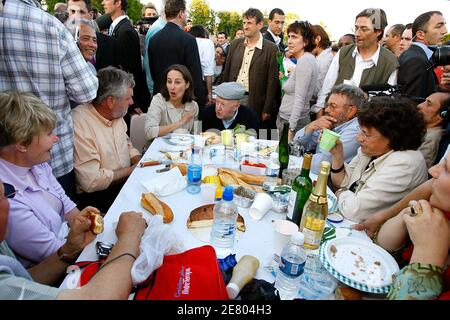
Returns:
(158, 240)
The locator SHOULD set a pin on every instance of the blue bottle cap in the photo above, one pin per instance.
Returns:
(228, 194)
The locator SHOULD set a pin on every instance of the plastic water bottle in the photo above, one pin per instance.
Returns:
(224, 224)
(292, 263)
(194, 172)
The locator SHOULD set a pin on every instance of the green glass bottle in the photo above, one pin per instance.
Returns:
(315, 211)
(283, 149)
(301, 189)
(280, 58)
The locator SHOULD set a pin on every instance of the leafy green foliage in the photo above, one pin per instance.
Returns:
(201, 14)
(229, 22)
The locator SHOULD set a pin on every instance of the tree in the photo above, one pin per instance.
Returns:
(49, 5)
(290, 18)
(229, 22)
(134, 10)
(201, 14)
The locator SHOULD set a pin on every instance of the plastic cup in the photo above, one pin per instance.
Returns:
(199, 141)
(227, 137)
(248, 148)
(283, 230)
(261, 205)
(328, 140)
(289, 175)
(208, 193)
(241, 137)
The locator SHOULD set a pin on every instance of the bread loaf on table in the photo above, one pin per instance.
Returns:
(248, 178)
(155, 206)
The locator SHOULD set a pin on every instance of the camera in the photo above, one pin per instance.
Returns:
(386, 89)
(145, 23)
(440, 57)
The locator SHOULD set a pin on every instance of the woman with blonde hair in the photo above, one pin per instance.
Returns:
(40, 205)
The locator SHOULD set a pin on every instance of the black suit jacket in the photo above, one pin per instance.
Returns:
(129, 59)
(281, 46)
(413, 75)
(245, 116)
(169, 46)
(107, 51)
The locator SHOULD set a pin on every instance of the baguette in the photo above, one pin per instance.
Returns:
(248, 178)
(227, 179)
(155, 206)
(245, 185)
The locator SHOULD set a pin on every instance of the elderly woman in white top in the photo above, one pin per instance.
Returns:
(174, 108)
(388, 165)
(300, 84)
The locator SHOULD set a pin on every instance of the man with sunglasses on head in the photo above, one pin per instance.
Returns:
(342, 105)
(363, 63)
(36, 283)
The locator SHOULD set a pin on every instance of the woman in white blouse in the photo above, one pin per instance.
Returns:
(174, 108)
(387, 166)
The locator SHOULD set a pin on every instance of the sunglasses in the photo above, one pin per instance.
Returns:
(10, 191)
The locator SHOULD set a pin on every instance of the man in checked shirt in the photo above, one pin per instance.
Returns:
(39, 55)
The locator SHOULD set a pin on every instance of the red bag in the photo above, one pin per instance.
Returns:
(192, 275)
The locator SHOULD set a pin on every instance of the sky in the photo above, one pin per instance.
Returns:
(338, 15)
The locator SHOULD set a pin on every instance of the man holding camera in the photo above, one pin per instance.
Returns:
(416, 77)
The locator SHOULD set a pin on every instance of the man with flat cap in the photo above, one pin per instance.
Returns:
(227, 112)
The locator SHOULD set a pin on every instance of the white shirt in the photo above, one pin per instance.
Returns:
(115, 23)
(360, 65)
(207, 56)
(277, 39)
(380, 184)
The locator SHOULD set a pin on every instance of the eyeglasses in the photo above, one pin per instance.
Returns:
(335, 106)
(366, 136)
(9, 190)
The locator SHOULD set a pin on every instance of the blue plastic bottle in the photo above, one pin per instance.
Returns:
(194, 172)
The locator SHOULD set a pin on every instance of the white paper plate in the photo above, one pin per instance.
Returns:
(181, 140)
(359, 263)
(204, 234)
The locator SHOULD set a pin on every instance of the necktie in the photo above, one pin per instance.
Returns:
(110, 32)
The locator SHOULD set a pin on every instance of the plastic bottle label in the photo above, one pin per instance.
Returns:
(194, 173)
(291, 269)
(291, 204)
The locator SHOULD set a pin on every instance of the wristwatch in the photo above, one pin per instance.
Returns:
(64, 257)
